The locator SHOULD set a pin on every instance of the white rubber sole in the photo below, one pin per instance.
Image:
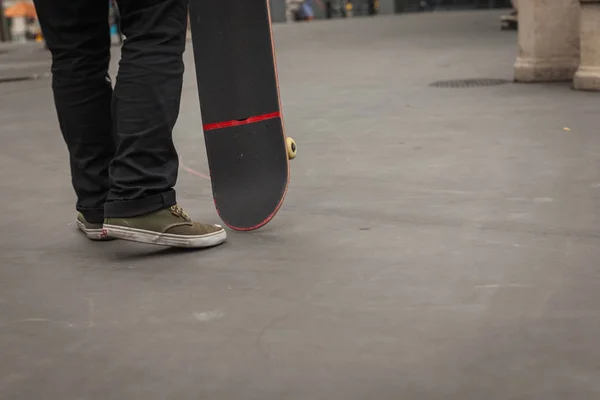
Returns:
(92, 234)
(165, 239)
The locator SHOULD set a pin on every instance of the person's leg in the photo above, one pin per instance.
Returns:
(307, 10)
(77, 35)
(289, 10)
(141, 205)
(146, 103)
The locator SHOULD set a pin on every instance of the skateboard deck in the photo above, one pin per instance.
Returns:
(247, 149)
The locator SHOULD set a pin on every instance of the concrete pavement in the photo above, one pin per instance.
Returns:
(435, 243)
(19, 61)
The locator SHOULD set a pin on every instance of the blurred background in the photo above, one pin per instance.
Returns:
(19, 21)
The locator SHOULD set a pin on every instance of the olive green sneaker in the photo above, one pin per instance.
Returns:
(168, 227)
(93, 231)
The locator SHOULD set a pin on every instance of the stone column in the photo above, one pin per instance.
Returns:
(588, 74)
(548, 40)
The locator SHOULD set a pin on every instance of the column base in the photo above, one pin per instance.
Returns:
(587, 78)
(588, 74)
(545, 70)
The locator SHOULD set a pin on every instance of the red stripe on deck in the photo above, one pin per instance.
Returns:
(235, 122)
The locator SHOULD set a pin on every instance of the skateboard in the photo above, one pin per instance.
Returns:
(247, 149)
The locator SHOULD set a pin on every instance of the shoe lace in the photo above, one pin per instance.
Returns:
(177, 211)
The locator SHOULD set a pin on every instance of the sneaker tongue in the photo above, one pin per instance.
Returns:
(178, 212)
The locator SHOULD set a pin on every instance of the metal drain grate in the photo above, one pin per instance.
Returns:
(468, 83)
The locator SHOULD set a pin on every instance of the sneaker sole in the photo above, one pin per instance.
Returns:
(92, 234)
(165, 239)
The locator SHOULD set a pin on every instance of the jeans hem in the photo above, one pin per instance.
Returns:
(137, 207)
(92, 215)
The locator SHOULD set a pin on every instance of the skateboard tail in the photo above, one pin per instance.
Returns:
(249, 175)
(250, 228)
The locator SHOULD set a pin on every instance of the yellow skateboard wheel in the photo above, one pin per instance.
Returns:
(291, 148)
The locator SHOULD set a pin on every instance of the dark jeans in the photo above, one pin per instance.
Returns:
(122, 157)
